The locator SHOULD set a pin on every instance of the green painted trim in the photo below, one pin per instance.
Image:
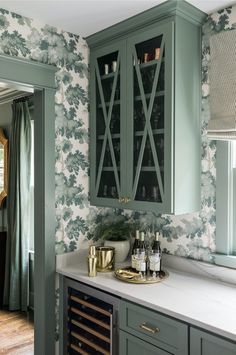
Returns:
(224, 203)
(44, 282)
(225, 206)
(41, 78)
(37, 74)
(169, 8)
(234, 209)
(225, 260)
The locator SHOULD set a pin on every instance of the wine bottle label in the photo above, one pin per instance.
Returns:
(155, 266)
(133, 262)
(142, 266)
(155, 262)
(138, 265)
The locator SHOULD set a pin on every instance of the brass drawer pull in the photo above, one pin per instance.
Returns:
(149, 328)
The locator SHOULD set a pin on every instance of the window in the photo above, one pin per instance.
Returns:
(226, 204)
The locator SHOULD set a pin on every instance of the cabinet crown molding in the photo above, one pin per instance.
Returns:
(160, 12)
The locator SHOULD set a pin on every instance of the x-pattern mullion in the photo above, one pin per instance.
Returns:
(107, 119)
(147, 127)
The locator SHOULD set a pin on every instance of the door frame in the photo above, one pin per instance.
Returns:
(41, 77)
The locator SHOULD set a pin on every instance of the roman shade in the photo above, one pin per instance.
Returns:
(222, 75)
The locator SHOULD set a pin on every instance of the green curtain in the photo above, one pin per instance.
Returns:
(18, 199)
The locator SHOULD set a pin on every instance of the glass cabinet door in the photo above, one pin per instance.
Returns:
(148, 114)
(107, 133)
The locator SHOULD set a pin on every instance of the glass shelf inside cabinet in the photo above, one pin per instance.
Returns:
(148, 120)
(108, 126)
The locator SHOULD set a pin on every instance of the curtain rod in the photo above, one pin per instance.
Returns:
(16, 96)
(23, 98)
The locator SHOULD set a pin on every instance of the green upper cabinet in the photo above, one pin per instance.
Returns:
(145, 111)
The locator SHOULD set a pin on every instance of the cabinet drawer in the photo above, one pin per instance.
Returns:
(154, 328)
(130, 345)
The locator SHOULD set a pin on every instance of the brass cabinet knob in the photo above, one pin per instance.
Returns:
(127, 200)
(122, 200)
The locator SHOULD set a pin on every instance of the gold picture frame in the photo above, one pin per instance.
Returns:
(4, 175)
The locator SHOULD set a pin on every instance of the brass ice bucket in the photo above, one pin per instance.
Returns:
(106, 258)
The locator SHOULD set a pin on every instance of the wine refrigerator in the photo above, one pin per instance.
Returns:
(90, 320)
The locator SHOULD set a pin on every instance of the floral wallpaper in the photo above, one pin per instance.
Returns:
(191, 235)
(27, 38)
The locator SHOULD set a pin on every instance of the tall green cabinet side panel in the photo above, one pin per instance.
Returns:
(166, 30)
(202, 343)
(120, 48)
(130, 345)
(187, 91)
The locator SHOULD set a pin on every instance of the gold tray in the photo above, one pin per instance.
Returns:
(127, 274)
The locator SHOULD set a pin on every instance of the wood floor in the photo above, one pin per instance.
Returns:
(16, 333)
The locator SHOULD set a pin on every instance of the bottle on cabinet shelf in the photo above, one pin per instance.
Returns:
(106, 69)
(157, 53)
(137, 150)
(145, 57)
(143, 192)
(148, 56)
(108, 156)
(110, 67)
(114, 66)
(155, 193)
(105, 193)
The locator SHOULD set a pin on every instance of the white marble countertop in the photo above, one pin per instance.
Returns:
(203, 302)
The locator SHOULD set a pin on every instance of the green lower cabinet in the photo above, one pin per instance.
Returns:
(202, 343)
(130, 345)
(162, 332)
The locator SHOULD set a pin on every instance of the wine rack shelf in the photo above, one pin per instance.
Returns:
(89, 317)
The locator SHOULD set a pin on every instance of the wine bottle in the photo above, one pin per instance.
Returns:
(143, 261)
(142, 243)
(136, 246)
(156, 244)
(155, 260)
